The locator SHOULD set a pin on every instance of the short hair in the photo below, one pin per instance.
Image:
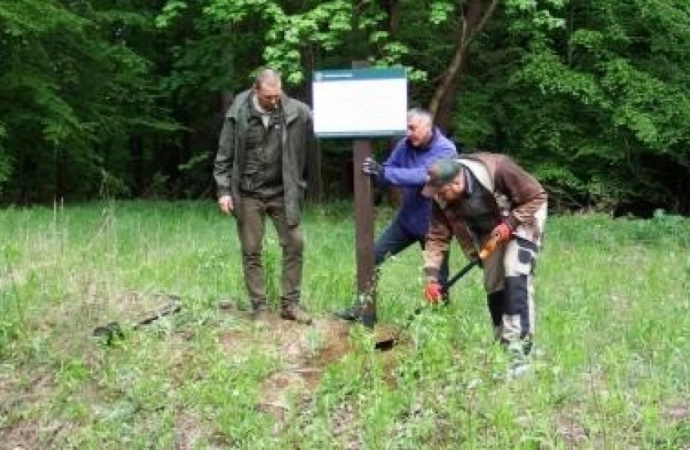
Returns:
(267, 75)
(419, 113)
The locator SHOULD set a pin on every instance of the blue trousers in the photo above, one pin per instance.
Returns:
(396, 238)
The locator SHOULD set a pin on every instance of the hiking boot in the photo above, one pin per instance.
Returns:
(518, 354)
(367, 315)
(260, 313)
(518, 370)
(296, 313)
(351, 314)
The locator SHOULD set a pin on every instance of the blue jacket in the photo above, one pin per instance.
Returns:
(406, 167)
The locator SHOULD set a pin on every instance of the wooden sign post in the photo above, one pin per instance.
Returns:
(364, 233)
(361, 103)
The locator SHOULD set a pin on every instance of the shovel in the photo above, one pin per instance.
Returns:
(488, 249)
(113, 331)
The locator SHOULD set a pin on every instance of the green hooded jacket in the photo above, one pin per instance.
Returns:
(297, 148)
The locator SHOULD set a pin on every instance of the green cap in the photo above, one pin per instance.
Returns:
(440, 173)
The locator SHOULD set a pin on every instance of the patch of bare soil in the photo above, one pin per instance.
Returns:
(573, 433)
(22, 391)
(677, 413)
(29, 434)
(306, 352)
(19, 433)
(187, 432)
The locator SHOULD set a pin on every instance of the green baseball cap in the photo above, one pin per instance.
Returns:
(440, 173)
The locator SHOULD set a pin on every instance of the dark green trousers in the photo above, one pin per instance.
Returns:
(251, 231)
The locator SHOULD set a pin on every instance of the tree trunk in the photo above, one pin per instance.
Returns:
(391, 7)
(475, 14)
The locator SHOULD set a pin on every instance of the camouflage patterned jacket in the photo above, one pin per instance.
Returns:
(500, 190)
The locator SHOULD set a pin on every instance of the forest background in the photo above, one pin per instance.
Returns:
(125, 98)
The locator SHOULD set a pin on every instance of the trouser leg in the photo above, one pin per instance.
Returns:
(494, 286)
(508, 279)
(395, 239)
(251, 233)
(292, 245)
(444, 270)
(392, 241)
(519, 317)
(497, 306)
(519, 265)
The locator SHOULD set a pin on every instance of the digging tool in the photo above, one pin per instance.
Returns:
(113, 331)
(486, 250)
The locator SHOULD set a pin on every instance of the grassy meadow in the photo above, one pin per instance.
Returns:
(611, 367)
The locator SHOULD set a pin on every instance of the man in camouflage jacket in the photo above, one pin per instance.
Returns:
(480, 197)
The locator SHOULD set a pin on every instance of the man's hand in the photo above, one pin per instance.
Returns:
(225, 204)
(371, 167)
(502, 232)
(433, 292)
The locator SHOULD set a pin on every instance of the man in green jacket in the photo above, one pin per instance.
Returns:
(260, 170)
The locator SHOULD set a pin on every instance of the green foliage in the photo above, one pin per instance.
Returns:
(439, 11)
(6, 159)
(324, 25)
(288, 34)
(71, 92)
(592, 97)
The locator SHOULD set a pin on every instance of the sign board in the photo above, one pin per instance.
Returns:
(360, 102)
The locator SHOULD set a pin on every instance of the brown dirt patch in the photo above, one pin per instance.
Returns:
(305, 352)
(677, 412)
(571, 431)
(188, 431)
(29, 434)
(318, 345)
(21, 433)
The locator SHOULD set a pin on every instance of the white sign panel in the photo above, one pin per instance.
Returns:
(360, 102)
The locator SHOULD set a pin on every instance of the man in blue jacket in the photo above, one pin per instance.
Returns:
(406, 167)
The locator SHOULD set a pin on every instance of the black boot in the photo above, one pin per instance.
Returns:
(352, 314)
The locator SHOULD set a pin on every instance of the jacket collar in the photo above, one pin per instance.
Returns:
(243, 103)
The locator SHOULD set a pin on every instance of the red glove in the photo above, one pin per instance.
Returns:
(433, 292)
(502, 232)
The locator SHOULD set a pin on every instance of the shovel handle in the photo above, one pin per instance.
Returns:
(489, 247)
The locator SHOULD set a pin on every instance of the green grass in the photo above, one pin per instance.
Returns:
(610, 371)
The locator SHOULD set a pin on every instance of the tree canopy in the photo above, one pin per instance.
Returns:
(126, 98)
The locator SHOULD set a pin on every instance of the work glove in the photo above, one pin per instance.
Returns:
(502, 232)
(433, 292)
(371, 167)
